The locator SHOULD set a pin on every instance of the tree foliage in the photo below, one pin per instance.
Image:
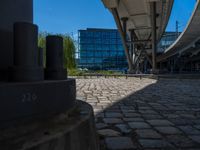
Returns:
(69, 52)
(68, 46)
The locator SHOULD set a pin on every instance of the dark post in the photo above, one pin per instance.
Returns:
(119, 26)
(26, 66)
(124, 21)
(154, 37)
(54, 58)
(132, 44)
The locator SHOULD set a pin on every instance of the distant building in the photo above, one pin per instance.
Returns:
(167, 39)
(101, 49)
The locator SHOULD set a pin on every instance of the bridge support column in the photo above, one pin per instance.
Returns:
(132, 44)
(124, 22)
(154, 36)
(123, 37)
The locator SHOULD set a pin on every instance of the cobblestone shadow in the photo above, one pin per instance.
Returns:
(144, 113)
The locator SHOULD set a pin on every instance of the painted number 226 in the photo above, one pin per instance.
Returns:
(29, 97)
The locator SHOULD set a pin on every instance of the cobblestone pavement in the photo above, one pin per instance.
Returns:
(144, 114)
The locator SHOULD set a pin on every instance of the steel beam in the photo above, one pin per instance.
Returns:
(148, 59)
(131, 44)
(124, 22)
(123, 37)
(154, 36)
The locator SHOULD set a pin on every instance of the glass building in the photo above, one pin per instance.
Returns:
(167, 39)
(101, 49)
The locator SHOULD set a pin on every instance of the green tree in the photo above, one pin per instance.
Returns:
(69, 52)
(68, 46)
(42, 44)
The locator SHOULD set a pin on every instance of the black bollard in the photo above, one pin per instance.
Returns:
(54, 59)
(26, 66)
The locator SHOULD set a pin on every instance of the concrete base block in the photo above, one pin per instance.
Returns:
(35, 99)
(74, 130)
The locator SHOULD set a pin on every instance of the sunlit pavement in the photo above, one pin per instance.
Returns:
(144, 114)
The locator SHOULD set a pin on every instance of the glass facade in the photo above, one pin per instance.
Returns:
(167, 39)
(101, 49)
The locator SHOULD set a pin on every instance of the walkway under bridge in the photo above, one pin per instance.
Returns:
(142, 23)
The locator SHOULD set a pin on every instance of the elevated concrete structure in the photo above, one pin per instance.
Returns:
(144, 21)
(138, 14)
(188, 40)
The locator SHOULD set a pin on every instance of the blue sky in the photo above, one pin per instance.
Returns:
(68, 16)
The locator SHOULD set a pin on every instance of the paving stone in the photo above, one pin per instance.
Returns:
(197, 126)
(189, 130)
(160, 122)
(113, 115)
(148, 133)
(112, 120)
(128, 110)
(139, 125)
(100, 115)
(101, 125)
(195, 138)
(113, 110)
(160, 144)
(168, 130)
(108, 132)
(148, 112)
(171, 116)
(97, 111)
(92, 101)
(181, 122)
(152, 101)
(132, 115)
(188, 116)
(119, 143)
(133, 119)
(150, 116)
(180, 141)
(123, 128)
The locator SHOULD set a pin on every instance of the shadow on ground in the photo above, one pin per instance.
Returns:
(163, 115)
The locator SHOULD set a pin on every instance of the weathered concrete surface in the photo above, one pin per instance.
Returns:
(11, 11)
(74, 130)
(149, 114)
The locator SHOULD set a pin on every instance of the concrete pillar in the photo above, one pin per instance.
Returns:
(55, 58)
(154, 36)
(11, 11)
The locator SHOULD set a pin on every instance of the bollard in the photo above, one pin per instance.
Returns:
(54, 59)
(26, 53)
